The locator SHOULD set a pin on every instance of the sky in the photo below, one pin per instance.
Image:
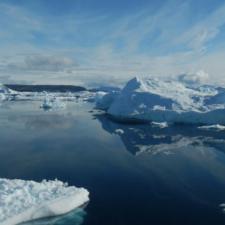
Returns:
(103, 41)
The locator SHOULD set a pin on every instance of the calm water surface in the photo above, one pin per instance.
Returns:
(136, 174)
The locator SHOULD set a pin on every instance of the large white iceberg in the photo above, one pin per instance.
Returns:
(173, 101)
(22, 201)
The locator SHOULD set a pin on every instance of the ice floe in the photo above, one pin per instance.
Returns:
(173, 101)
(22, 201)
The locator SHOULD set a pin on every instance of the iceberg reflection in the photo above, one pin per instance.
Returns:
(156, 140)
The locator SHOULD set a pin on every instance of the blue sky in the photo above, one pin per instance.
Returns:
(92, 41)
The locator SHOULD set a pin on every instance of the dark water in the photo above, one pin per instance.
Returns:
(141, 176)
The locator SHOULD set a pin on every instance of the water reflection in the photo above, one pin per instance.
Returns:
(182, 188)
(155, 140)
(75, 217)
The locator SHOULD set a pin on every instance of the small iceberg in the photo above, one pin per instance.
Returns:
(23, 201)
(171, 101)
(52, 102)
(119, 131)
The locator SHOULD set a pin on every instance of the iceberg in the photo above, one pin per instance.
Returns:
(22, 201)
(171, 101)
(52, 102)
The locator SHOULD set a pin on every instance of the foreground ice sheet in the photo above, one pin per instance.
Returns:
(22, 201)
(174, 101)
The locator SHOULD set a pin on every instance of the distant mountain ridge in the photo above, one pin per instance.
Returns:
(48, 88)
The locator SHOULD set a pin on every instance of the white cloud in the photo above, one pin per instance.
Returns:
(198, 77)
(43, 63)
(48, 63)
(203, 31)
(103, 61)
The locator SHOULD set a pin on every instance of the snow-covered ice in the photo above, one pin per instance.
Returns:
(172, 101)
(22, 201)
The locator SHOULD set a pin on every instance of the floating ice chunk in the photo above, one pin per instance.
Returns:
(223, 207)
(159, 107)
(52, 102)
(142, 106)
(22, 201)
(216, 127)
(119, 131)
(160, 125)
